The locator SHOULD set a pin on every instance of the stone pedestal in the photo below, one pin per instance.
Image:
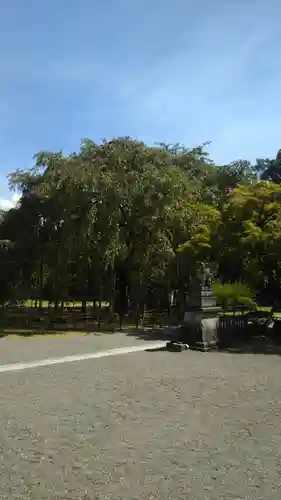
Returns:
(200, 328)
(201, 319)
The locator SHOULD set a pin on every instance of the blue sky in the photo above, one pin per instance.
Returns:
(159, 70)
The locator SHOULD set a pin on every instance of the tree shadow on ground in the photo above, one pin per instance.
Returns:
(154, 333)
(262, 345)
(157, 349)
(27, 334)
(147, 333)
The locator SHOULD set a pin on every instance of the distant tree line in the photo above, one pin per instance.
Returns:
(127, 223)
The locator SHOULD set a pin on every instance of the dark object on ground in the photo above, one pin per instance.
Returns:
(176, 346)
(258, 321)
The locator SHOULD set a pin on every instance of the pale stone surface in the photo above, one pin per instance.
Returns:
(201, 328)
(143, 426)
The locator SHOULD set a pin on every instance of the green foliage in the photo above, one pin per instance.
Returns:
(121, 216)
(269, 170)
(202, 222)
(234, 296)
(250, 235)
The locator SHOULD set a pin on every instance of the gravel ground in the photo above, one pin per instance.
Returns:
(143, 426)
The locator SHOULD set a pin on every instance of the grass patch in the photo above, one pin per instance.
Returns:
(268, 309)
(30, 303)
(246, 311)
(17, 326)
(31, 333)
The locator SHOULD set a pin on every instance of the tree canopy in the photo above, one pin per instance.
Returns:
(123, 219)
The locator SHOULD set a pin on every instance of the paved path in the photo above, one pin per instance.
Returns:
(142, 426)
(17, 349)
(27, 365)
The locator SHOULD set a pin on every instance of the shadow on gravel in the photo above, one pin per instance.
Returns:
(4, 334)
(154, 334)
(238, 349)
(157, 349)
(256, 346)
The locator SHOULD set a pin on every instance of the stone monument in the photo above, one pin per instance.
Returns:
(201, 319)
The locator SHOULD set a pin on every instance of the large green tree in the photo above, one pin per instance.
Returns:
(250, 236)
(269, 169)
(126, 222)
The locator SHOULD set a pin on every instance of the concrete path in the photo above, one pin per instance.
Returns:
(28, 349)
(15, 367)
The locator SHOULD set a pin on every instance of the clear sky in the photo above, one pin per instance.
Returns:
(159, 70)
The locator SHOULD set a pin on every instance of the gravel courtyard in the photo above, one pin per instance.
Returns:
(139, 426)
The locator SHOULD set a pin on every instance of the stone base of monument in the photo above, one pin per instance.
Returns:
(200, 328)
(201, 320)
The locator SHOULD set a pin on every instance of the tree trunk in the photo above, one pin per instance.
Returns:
(41, 281)
(112, 298)
(56, 305)
(99, 307)
(169, 305)
(137, 315)
(121, 320)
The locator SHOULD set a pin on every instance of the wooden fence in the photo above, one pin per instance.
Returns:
(243, 327)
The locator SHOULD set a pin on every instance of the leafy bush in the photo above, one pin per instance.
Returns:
(234, 296)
